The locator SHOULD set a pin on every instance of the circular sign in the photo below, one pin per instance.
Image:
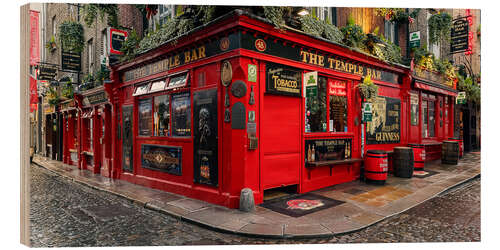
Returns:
(224, 44)
(239, 89)
(226, 74)
(260, 45)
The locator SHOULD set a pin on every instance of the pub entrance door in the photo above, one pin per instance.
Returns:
(281, 140)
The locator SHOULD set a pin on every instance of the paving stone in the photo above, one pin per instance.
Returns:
(342, 225)
(366, 218)
(273, 229)
(307, 229)
(189, 204)
(212, 216)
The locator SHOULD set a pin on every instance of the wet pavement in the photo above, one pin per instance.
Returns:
(67, 213)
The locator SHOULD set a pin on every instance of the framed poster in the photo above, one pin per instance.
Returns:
(385, 125)
(181, 114)
(205, 137)
(162, 158)
(145, 117)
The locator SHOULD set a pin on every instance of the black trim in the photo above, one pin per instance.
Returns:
(376, 172)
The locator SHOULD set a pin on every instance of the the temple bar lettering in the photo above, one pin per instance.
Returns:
(166, 64)
(339, 65)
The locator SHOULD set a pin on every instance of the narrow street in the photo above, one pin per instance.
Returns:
(67, 214)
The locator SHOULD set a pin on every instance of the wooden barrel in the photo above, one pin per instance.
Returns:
(460, 145)
(418, 155)
(450, 152)
(376, 166)
(403, 162)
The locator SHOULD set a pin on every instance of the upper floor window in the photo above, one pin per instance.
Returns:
(104, 38)
(434, 48)
(90, 54)
(54, 26)
(390, 31)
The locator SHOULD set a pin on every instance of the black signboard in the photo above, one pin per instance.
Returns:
(459, 36)
(283, 80)
(71, 61)
(385, 125)
(162, 158)
(205, 137)
(46, 72)
(97, 97)
(327, 149)
(127, 143)
(181, 115)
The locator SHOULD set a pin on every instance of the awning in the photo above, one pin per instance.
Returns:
(88, 114)
(141, 89)
(434, 89)
(178, 81)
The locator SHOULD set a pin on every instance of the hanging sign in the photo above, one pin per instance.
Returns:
(461, 98)
(459, 36)
(283, 80)
(116, 39)
(367, 112)
(70, 60)
(46, 72)
(415, 39)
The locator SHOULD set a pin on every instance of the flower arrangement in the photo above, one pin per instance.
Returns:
(367, 89)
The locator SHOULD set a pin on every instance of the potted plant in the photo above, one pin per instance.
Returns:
(52, 96)
(67, 90)
(367, 89)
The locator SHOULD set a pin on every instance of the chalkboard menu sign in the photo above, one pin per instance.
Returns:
(71, 60)
(459, 36)
(162, 158)
(385, 125)
(205, 137)
(328, 149)
(282, 80)
(181, 115)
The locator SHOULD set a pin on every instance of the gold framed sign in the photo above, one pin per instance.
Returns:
(226, 74)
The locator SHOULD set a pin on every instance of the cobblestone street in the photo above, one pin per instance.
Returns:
(64, 213)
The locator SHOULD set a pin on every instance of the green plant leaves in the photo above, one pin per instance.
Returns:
(71, 36)
(439, 27)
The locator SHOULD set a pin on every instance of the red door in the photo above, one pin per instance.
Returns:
(280, 141)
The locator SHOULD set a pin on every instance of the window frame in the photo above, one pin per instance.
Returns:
(426, 98)
(348, 96)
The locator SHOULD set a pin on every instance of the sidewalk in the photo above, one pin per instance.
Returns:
(363, 205)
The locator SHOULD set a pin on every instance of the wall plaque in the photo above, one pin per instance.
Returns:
(385, 125)
(239, 116)
(226, 74)
(239, 89)
(205, 137)
(162, 158)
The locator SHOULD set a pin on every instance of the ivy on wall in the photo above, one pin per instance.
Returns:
(71, 36)
(439, 27)
(91, 11)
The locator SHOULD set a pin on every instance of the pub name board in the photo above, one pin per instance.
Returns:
(71, 60)
(97, 98)
(459, 36)
(283, 80)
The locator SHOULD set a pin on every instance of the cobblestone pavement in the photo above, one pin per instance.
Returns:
(65, 214)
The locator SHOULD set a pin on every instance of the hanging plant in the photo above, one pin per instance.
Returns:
(353, 34)
(471, 88)
(129, 46)
(51, 44)
(439, 27)
(101, 75)
(398, 15)
(91, 11)
(71, 36)
(67, 90)
(367, 89)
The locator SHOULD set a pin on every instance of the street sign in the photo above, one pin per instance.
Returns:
(367, 112)
(415, 39)
(461, 98)
(116, 39)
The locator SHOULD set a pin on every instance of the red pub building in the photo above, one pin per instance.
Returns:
(239, 104)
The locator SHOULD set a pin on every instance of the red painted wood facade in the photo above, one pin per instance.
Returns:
(280, 156)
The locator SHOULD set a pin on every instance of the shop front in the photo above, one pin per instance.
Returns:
(69, 131)
(94, 130)
(432, 101)
(246, 106)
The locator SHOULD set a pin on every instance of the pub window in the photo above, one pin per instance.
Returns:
(90, 135)
(181, 114)
(338, 105)
(145, 117)
(162, 115)
(428, 116)
(316, 107)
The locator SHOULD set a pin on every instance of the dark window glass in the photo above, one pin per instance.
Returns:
(162, 115)
(181, 115)
(432, 121)
(145, 114)
(316, 108)
(338, 113)
(424, 119)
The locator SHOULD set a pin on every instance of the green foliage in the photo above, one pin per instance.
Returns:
(368, 89)
(353, 34)
(439, 27)
(52, 96)
(101, 75)
(67, 89)
(153, 39)
(396, 14)
(391, 52)
(471, 88)
(129, 46)
(275, 14)
(51, 44)
(71, 36)
(318, 28)
(91, 11)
